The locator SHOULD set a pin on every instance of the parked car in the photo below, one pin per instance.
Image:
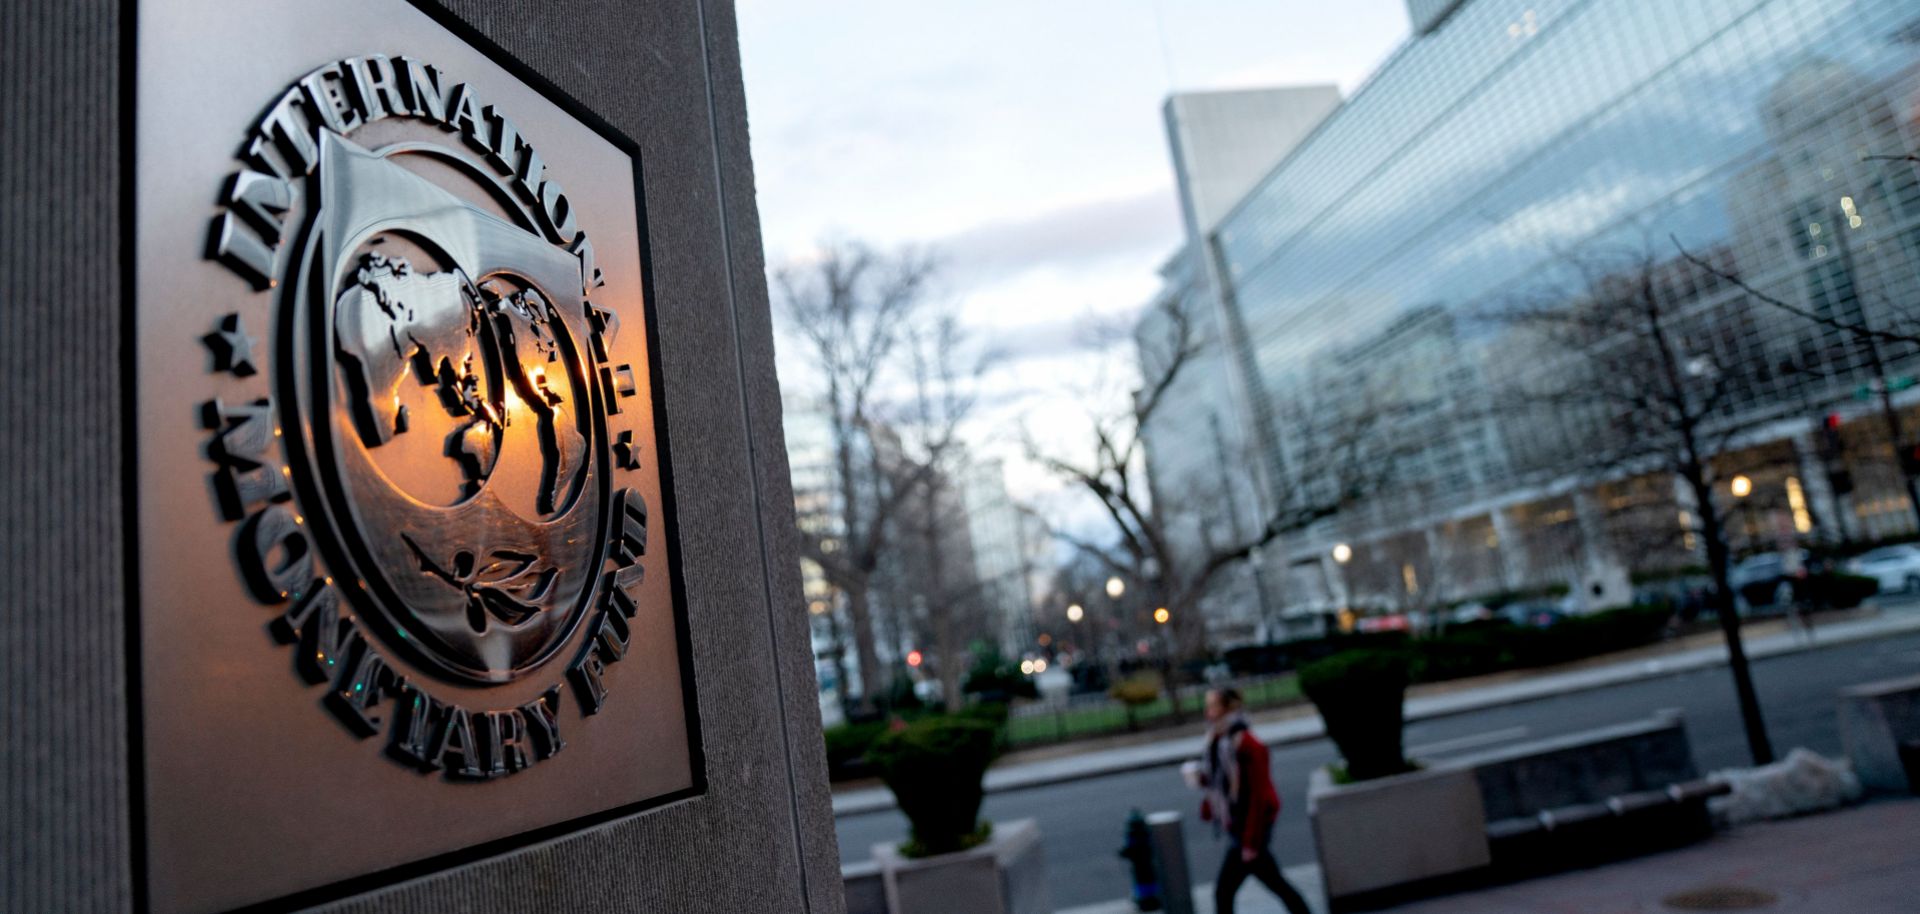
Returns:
(1894, 567)
(1534, 613)
(1767, 579)
(1467, 613)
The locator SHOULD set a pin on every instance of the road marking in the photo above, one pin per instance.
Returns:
(1468, 742)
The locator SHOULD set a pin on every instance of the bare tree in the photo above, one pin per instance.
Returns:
(1334, 466)
(941, 399)
(1902, 332)
(1640, 368)
(851, 307)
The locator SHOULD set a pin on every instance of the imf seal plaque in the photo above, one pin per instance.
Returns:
(409, 582)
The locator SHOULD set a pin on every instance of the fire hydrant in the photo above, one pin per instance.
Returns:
(1138, 852)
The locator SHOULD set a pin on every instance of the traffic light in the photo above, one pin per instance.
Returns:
(1910, 460)
(1831, 444)
(1841, 481)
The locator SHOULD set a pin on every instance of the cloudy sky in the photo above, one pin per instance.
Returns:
(1023, 142)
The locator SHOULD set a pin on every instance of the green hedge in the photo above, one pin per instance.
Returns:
(1478, 649)
(1836, 589)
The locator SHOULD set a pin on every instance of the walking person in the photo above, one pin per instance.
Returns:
(1242, 801)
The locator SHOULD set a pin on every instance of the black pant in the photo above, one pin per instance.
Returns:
(1234, 871)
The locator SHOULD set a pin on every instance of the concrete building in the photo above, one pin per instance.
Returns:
(1008, 552)
(1506, 149)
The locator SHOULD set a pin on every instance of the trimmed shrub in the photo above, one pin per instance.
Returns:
(1360, 695)
(934, 767)
(1135, 692)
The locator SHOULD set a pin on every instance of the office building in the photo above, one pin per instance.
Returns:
(1527, 151)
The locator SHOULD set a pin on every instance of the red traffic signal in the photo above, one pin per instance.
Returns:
(914, 658)
(1831, 444)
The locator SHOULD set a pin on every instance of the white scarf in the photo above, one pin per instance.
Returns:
(1223, 767)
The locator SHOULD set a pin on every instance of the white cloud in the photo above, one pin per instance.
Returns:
(1024, 139)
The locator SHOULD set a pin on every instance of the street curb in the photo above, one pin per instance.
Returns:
(1307, 729)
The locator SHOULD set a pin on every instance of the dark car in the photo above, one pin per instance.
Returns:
(1767, 579)
(1533, 613)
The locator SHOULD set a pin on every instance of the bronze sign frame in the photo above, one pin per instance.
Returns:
(226, 347)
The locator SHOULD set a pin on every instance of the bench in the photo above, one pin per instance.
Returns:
(1592, 796)
(1880, 726)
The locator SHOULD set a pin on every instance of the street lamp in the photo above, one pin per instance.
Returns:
(1116, 587)
(1342, 554)
(1741, 486)
(1074, 613)
(1161, 615)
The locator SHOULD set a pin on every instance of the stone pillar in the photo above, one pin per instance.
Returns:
(1604, 580)
(1439, 568)
(1685, 504)
(1511, 548)
(1831, 512)
(149, 426)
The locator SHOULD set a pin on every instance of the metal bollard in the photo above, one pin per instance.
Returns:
(1170, 851)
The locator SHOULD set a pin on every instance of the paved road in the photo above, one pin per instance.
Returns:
(1080, 822)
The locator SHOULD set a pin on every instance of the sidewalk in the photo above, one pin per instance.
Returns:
(1506, 690)
(1864, 860)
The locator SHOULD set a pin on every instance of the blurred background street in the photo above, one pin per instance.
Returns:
(1453, 387)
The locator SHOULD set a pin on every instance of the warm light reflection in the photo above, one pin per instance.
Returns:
(1797, 503)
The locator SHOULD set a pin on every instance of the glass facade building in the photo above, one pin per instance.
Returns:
(1499, 155)
(1221, 143)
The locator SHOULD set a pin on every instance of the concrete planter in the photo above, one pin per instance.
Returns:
(1875, 719)
(1396, 831)
(866, 890)
(1006, 875)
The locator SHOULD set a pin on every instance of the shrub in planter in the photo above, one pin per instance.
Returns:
(1360, 694)
(935, 766)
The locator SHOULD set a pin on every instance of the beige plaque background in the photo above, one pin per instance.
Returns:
(254, 791)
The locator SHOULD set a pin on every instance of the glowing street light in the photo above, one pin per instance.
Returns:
(1742, 486)
(1116, 587)
(1074, 613)
(1161, 615)
(1342, 553)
